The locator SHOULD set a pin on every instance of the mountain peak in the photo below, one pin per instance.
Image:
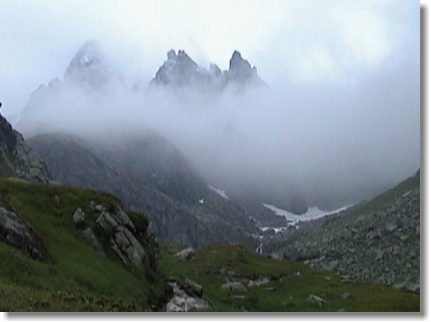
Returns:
(181, 70)
(89, 54)
(241, 71)
(88, 66)
(172, 55)
(236, 55)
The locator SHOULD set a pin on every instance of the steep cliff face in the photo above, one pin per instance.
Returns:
(16, 157)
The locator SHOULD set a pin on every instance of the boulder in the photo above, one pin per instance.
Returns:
(259, 282)
(186, 304)
(234, 287)
(316, 300)
(185, 254)
(97, 207)
(192, 288)
(390, 227)
(128, 247)
(91, 238)
(124, 219)
(78, 218)
(15, 232)
(106, 223)
(346, 296)
(117, 228)
(415, 288)
(185, 299)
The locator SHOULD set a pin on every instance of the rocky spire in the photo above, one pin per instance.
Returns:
(88, 66)
(180, 70)
(241, 71)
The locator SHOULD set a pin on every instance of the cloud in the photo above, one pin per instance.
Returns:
(339, 122)
(302, 41)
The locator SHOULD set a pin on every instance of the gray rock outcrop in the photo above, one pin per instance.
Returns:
(15, 232)
(16, 158)
(114, 231)
(117, 228)
(78, 218)
(187, 296)
(185, 254)
(234, 287)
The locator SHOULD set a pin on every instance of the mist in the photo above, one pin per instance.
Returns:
(334, 145)
(338, 122)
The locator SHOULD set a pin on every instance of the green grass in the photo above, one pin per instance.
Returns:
(291, 289)
(74, 277)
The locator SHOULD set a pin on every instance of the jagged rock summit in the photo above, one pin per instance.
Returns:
(241, 71)
(179, 70)
(88, 74)
(89, 67)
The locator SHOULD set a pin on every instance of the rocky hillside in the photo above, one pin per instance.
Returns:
(149, 175)
(234, 279)
(16, 157)
(66, 249)
(377, 241)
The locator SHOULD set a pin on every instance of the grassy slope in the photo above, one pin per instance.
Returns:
(291, 291)
(75, 277)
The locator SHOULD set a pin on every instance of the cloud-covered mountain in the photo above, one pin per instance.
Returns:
(89, 68)
(257, 144)
(65, 123)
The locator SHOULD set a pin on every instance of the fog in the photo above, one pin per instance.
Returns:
(338, 122)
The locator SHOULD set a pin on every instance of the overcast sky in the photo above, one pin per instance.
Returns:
(341, 119)
(300, 42)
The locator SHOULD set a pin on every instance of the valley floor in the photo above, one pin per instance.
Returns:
(270, 285)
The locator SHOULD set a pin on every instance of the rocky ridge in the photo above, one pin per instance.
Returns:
(179, 70)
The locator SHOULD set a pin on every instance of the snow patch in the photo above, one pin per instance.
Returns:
(312, 213)
(220, 192)
(275, 229)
